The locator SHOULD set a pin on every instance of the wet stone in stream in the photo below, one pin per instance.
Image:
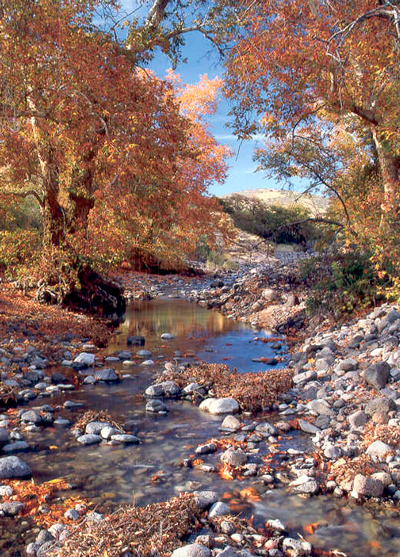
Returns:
(126, 471)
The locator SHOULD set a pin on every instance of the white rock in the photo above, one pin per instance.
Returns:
(217, 406)
(167, 336)
(85, 358)
(378, 449)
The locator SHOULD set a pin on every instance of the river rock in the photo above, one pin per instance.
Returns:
(31, 549)
(106, 374)
(125, 438)
(85, 358)
(378, 449)
(95, 427)
(107, 431)
(234, 457)
(298, 548)
(143, 353)
(348, 365)
(205, 499)
(167, 336)
(307, 427)
(381, 405)
(71, 514)
(304, 377)
(209, 448)
(166, 388)
(156, 406)
(230, 423)
(269, 294)
(6, 491)
(57, 378)
(11, 508)
(45, 548)
(135, 340)
(377, 375)
(31, 416)
(15, 447)
(13, 467)
(4, 436)
(332, 452)
(43, 537)
(192, 550)
(218, 509)
(320, 407)
(266, 429)
(358, 419)
(305, 484)
(367, 486)
(218, 406)
(227, 527)
(89, 439)
(276, 525)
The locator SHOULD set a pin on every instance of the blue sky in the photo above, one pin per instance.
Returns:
(203, 60)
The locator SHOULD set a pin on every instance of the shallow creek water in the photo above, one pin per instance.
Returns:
(114, 475)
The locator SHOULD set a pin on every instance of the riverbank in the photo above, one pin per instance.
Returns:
(339, 393)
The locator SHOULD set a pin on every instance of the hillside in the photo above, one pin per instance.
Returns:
(316, 203)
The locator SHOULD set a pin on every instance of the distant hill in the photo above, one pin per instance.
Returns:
(315, 203)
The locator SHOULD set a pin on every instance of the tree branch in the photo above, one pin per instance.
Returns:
(24, 194)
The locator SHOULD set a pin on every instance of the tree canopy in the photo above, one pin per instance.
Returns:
(117, 159)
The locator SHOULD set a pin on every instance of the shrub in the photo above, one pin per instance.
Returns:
(272, 221)
(342, 283)
(18, 250)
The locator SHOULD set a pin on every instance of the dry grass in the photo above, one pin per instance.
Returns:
(156, 529)
(383, 432)
(94, 416)
(253, 391)
(346, 469)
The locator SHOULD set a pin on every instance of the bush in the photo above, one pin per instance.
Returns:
(342, 283)
(18, 250)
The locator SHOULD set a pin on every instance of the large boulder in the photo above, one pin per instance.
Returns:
(13, 467)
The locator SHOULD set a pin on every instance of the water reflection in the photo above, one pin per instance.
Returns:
(179, 317)
(198, 331)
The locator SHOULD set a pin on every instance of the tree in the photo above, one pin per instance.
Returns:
(301, 67)
(164, 230)
(83, 128)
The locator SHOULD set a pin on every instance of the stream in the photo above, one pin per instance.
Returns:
(111, 475)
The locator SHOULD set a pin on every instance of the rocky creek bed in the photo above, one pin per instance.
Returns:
(301, 458)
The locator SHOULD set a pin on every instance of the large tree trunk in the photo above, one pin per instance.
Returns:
(390, 172)
(67, 279)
